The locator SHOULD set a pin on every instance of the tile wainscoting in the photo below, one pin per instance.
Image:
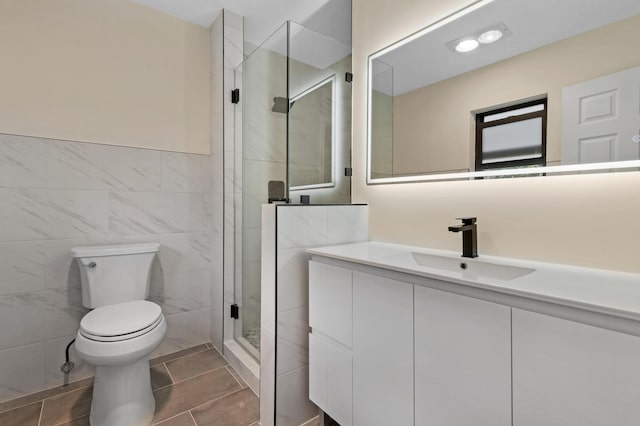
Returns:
(55, 195)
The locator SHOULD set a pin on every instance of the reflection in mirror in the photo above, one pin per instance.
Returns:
(514, 136)
(311, 137)
(434, 96)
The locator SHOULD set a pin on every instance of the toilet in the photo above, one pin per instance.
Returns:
(121, 331)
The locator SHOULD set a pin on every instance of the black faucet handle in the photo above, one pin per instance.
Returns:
(467, 220)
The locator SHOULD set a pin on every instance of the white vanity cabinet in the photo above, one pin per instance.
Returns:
(415, 349)
(412, 349)
(572, 374)
(382, 351)
(330, 340)
(462, 360)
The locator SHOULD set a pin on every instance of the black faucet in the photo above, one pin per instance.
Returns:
(469, 231)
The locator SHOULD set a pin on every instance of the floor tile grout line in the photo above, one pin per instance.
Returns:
(189, 354)
(41, 411)
(44, 399)
(215, 399)
(173, 382)
(168, 418)
(182, 356)
(62, 422)
(234, 375)
(21, 405)
(199, 374)
(206, 349)
(193, 418)
(162, 387)
(67, 392)
(193, 377)
(166, 367)
(200, 405)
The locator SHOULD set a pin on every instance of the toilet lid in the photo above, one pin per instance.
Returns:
(120, 321)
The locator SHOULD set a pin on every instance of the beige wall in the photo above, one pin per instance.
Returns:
(104, 71)
(584, 220)
(449, 130)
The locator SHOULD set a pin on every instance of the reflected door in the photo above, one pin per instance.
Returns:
(601, 119)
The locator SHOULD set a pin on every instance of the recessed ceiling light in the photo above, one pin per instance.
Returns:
(490, 36)
(466, 45)
(481, 37)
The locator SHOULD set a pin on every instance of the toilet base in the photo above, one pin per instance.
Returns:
(122, 395)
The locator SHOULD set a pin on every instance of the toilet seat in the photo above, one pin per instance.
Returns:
(122, 321)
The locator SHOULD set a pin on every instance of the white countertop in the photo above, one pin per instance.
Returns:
(603, 291)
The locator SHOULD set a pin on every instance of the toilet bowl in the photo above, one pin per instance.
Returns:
(117, 340)
(120, 333)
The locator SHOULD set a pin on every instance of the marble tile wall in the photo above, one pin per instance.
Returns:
(55, 195)
(288, 230)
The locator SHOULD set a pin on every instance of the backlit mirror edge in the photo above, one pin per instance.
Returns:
(329, 80)
(632, 165)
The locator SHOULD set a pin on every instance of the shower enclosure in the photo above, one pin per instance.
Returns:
(292, 125)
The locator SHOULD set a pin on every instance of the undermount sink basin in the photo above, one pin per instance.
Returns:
(470, 267)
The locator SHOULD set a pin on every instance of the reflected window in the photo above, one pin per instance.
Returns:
(513, 136)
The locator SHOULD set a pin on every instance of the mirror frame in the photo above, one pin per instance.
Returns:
(516, 172)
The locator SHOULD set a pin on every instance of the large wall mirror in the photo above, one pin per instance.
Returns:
(509, 88)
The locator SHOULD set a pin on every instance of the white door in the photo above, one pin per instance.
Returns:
(601, 119)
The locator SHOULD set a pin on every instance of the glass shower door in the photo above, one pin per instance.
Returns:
(261, 154)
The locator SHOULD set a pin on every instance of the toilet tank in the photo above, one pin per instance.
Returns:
(113, 274)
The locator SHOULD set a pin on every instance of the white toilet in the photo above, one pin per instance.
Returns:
(120, 332)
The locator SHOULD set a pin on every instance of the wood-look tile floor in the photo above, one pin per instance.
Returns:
(193, 387)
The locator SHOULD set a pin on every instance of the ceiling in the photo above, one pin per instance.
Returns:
(262, 17)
